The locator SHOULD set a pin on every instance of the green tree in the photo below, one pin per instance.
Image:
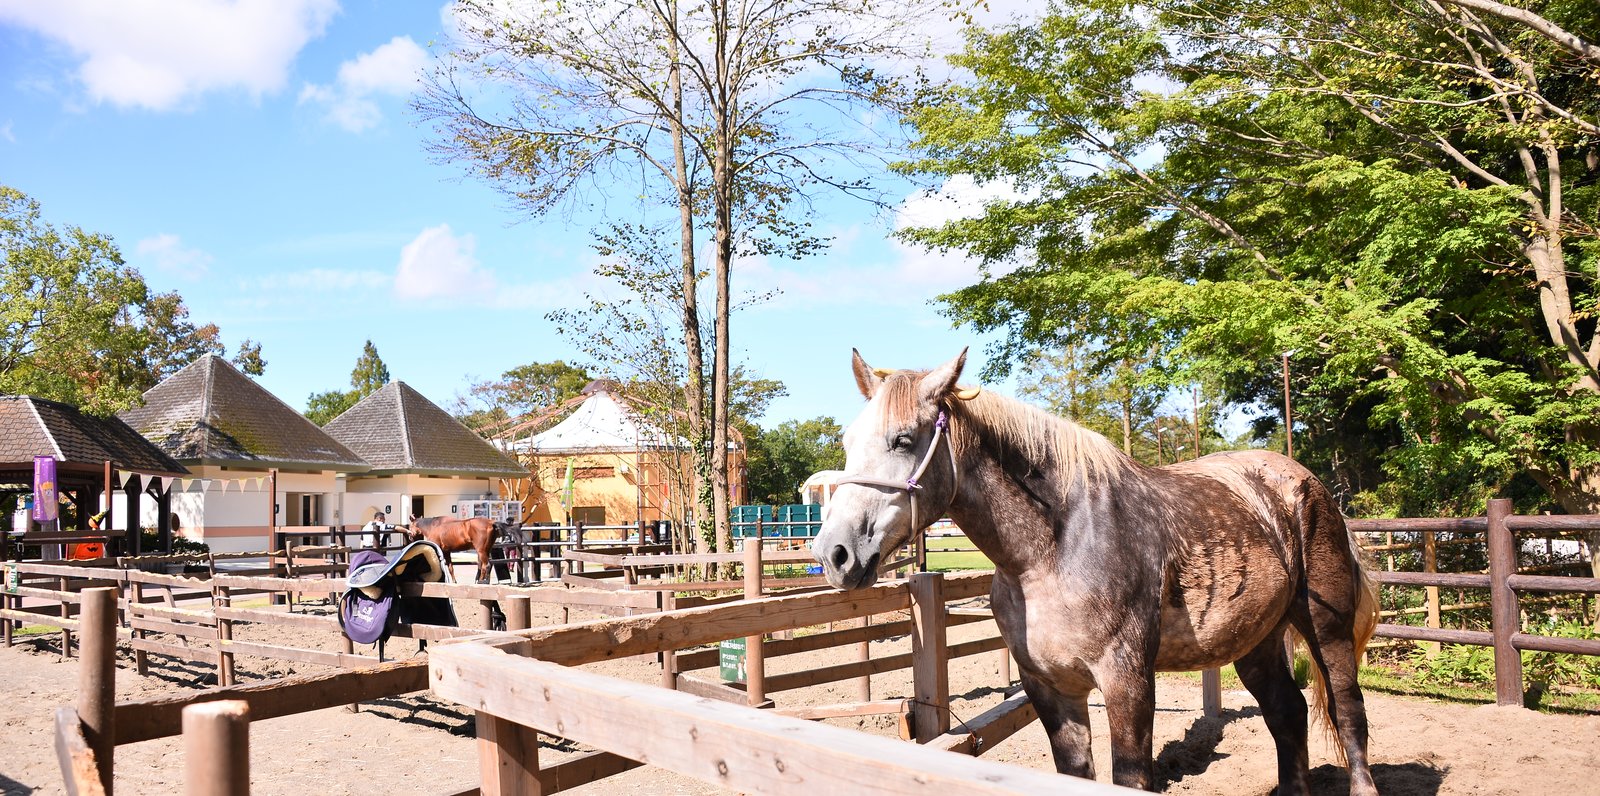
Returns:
(249, 359)
(79, 326)
(367, 377)
(519, 392)
(1396, 191)
(782, 458)
(1111, 397)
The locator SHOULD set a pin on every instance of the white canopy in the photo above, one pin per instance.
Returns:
(601, 424)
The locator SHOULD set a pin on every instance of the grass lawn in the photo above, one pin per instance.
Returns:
(955, 562)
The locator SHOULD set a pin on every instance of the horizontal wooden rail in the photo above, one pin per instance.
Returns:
(727, 745)
(1455, 580)
(1407, 524)
(994, 725)
(161, 717)
(1573, 646)
(1479, 637)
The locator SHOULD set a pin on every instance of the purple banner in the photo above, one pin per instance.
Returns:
(44, 489)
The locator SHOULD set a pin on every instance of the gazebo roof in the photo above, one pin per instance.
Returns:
(32, 427)
(601, 424)
(397, 430)
(211, 414)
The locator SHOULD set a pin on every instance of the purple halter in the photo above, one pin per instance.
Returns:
(910, 485)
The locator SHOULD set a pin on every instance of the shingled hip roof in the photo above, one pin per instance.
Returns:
(397, 430)
(32, 427)
(210, 413)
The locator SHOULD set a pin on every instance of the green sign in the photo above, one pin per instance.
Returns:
(14, 579)
(730, 657)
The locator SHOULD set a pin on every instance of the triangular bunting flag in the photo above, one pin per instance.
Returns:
(205, 484)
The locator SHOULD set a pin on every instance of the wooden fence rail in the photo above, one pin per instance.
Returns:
(1505, 635)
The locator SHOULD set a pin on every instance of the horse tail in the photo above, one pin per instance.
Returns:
(1364, 623)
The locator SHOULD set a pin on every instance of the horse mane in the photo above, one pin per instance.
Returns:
(1040, 436)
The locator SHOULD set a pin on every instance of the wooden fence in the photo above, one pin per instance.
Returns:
(925, 713)
(1502, 581)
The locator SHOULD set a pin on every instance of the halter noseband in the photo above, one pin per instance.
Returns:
(910, 485)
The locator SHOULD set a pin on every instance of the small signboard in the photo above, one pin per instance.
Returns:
(14, 580)
(730, 657)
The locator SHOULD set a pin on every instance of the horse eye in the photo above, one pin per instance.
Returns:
(902, 442)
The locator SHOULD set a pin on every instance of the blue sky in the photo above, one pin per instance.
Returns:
(260, 158)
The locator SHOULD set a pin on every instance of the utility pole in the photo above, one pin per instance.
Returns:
(1288, 416)
(1196, 395)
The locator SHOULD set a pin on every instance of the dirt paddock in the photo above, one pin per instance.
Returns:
(422, 745)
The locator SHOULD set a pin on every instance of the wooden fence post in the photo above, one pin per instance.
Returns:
(97, 679)
(141, 659)
(929, 657)
(221, 598)
(755, 663)
(667, 601)
(216, 748)
(508, 757)
(6, 601)
(1505, 617)
(66, 612)
(864, 653)
(518, 612)
(1430, 563)
(1211, 691)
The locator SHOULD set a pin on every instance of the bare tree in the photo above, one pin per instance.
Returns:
(736, 115)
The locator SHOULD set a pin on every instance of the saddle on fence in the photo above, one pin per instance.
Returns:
(373, 603)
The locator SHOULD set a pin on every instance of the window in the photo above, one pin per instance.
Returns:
(589, 515)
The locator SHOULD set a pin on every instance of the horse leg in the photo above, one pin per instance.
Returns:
(1065, 718)
(1337, 603)
(1130, 692)
(1332, 647)
(1264, 670)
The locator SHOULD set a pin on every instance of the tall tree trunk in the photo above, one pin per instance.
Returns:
(694, 387)
(722, 227)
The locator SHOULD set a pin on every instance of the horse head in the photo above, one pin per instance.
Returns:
(900, 472)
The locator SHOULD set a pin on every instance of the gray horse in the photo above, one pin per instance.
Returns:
(1107, 571)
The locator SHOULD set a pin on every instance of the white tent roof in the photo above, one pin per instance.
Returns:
(600, 424)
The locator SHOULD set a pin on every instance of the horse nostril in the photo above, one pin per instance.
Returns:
(841, 556)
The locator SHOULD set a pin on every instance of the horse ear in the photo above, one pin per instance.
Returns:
(942, 380)
(867, 380)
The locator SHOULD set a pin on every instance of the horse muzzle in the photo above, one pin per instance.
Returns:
(848, 563)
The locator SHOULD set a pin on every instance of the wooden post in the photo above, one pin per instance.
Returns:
(1505, 617)
(141, 659)
(1211, 691)
(216, 748)
(66, 612)
(929, 670)
(755, 664)
(1430, 563)
(97, 677)
(864, 653)
(667, 601)
(518, 613)
(222, 598)
(508, 757)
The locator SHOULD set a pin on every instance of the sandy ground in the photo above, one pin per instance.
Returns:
(421, 744)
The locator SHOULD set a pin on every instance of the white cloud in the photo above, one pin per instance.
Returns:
(159, 54)
(441, 264)
(7, 133)
(168, 254)
(392, 69)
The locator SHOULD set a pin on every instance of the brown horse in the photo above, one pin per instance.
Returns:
(1107, 571)
(477, 534)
